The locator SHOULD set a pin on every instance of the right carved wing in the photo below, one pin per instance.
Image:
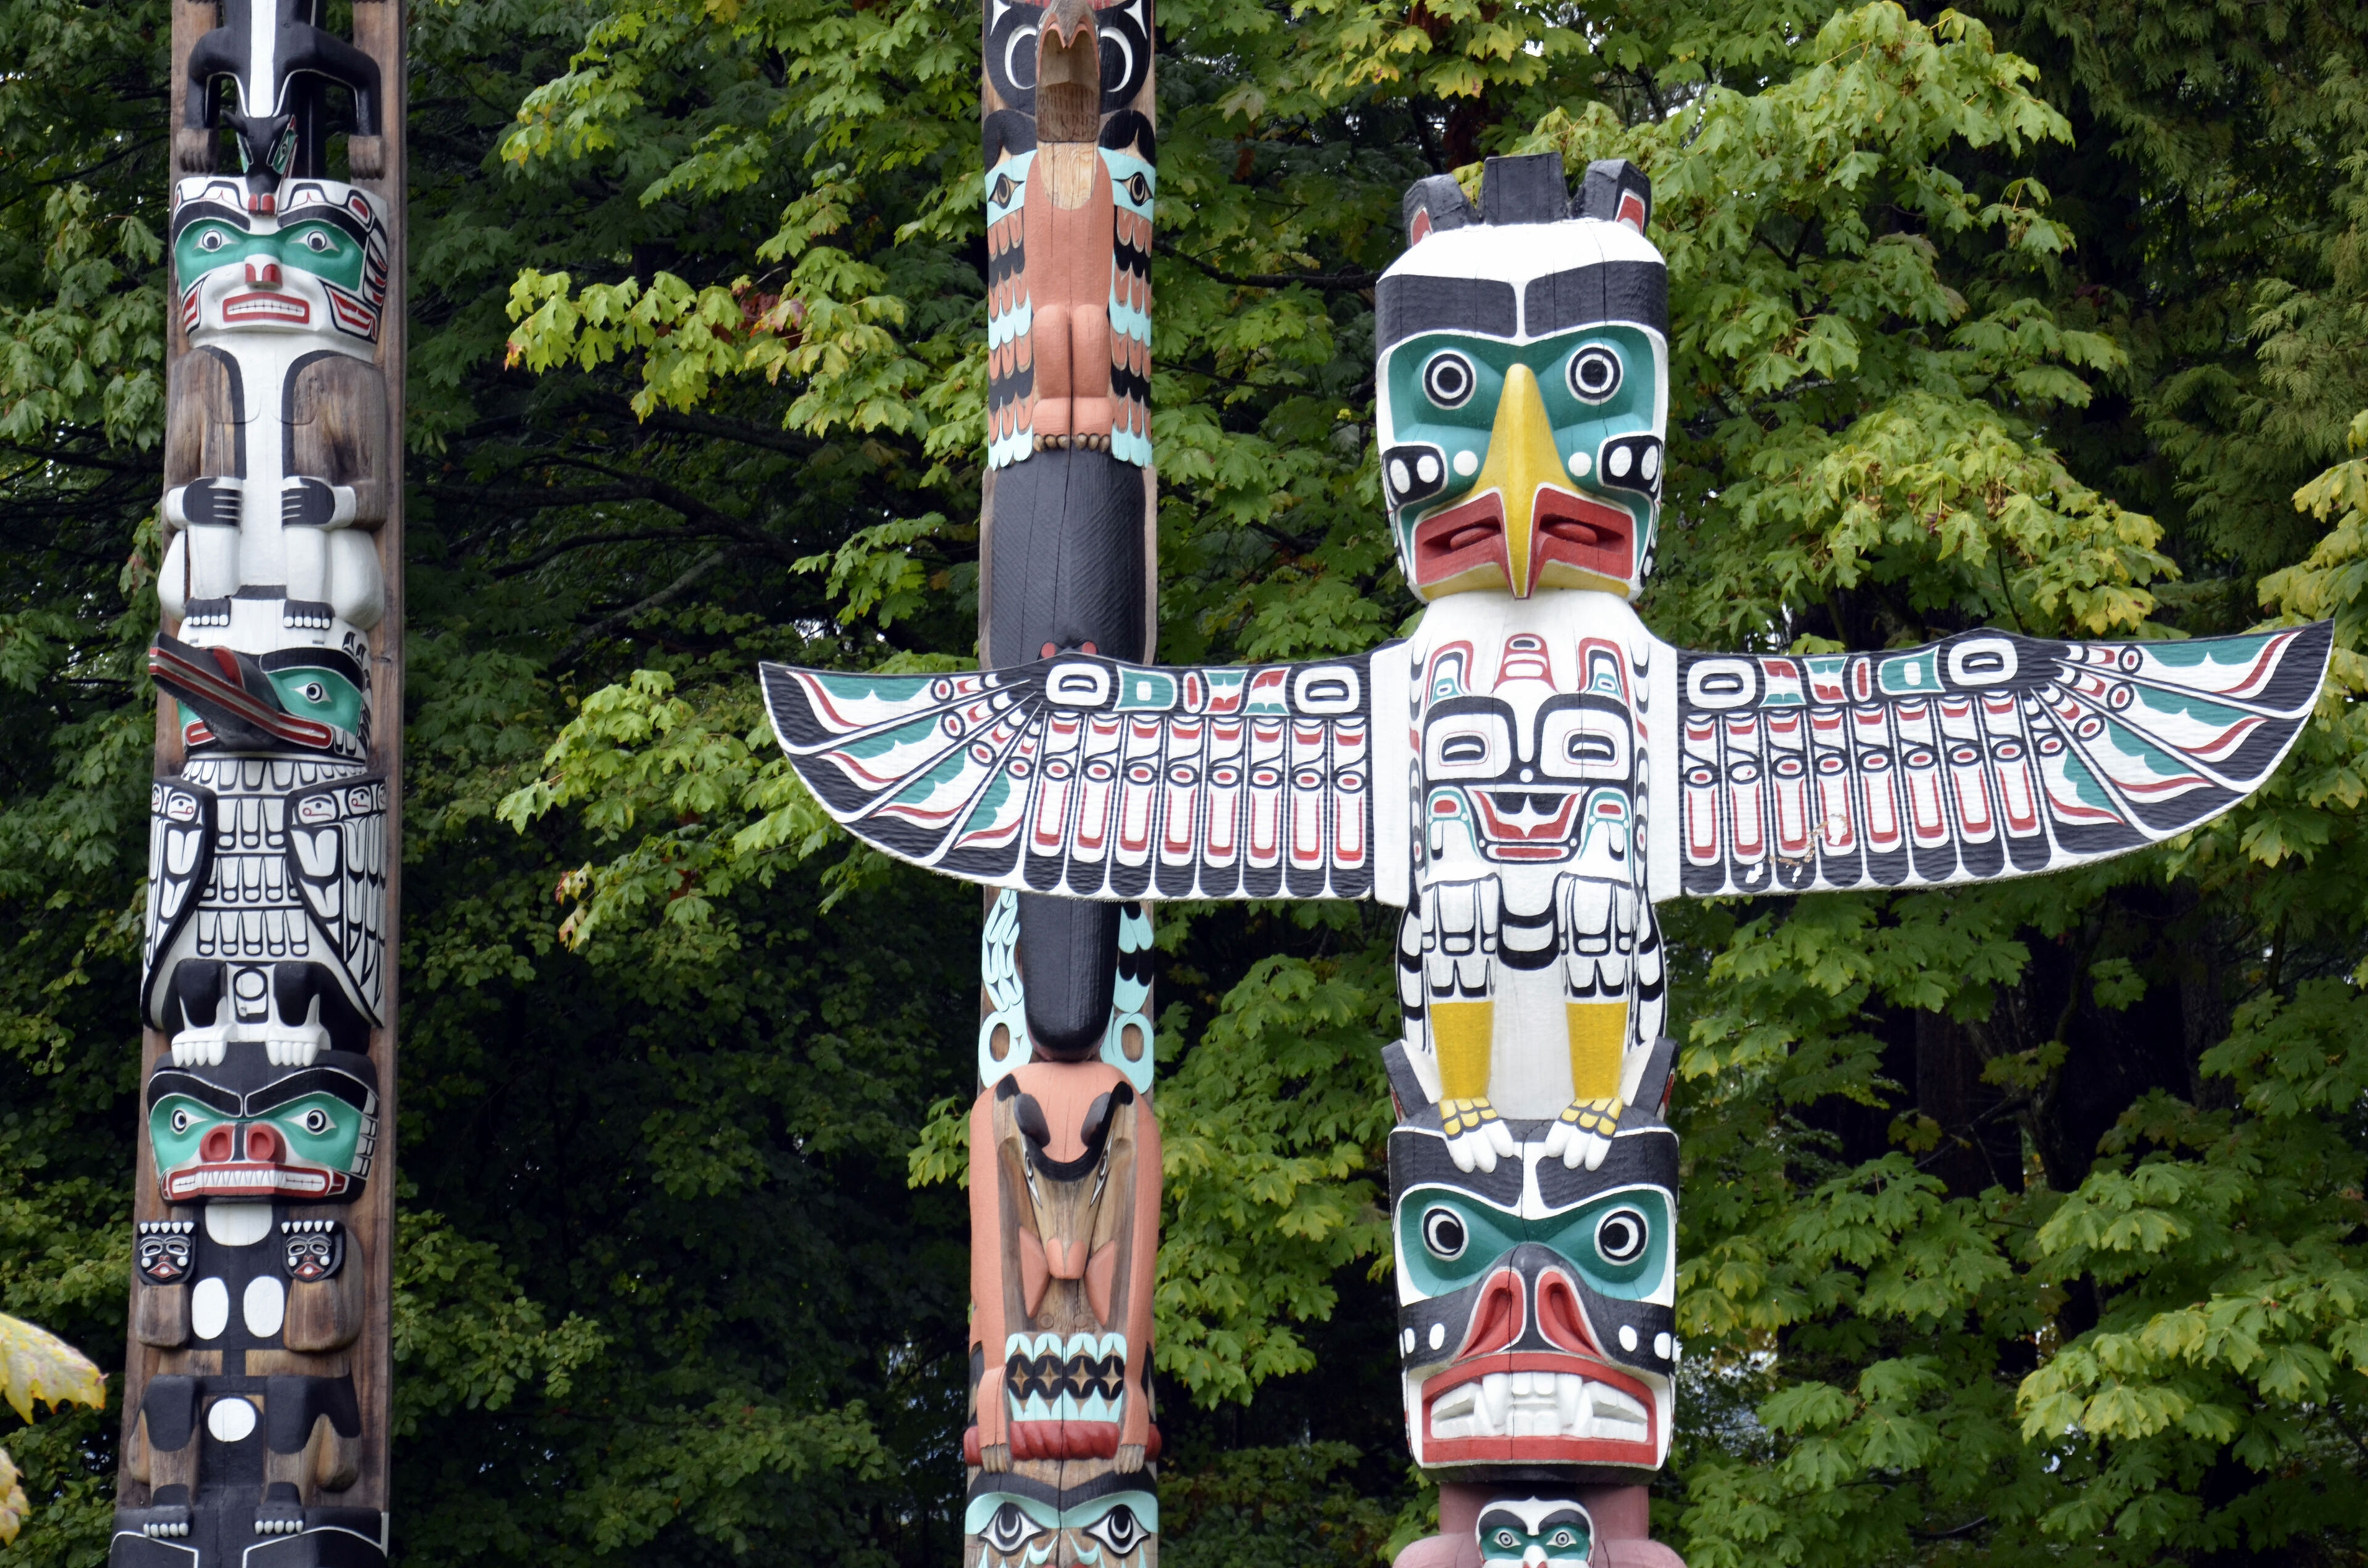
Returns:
(1089, 779)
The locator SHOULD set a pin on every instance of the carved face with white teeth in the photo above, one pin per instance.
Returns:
(310, 258)
(1535, 1302)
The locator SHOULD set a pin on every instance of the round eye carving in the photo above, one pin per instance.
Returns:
(1509, 1540)
(315, 1121)
(1443, 1233)
(182, 1121)
(1011, 1529)
(1119, 1530)
(1138, 190)
(1564, 1537)
(317, 242)
(213, 239)
(1620, 1236)
(1593, 373)
(314, 691)
(1448, 381)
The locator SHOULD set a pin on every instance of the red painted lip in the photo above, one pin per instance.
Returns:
(1555, 1450)
(268, 307)
(1533, 840)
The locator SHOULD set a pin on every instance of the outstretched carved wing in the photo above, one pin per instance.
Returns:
(336, 856)
(1982, 756)
(1091, 778)
(180, 862)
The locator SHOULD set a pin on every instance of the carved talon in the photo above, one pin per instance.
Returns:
(1583, 1133)
(296, 1047)
(995, 1458)
(202, 1046)
(1130, 1458)
(1477, 1136)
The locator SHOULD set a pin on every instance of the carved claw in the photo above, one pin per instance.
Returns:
(1582, 1135)
(1130, 1458)
(294, 1047)
(202, 1046)
(1477, 1137)
(995, 1458)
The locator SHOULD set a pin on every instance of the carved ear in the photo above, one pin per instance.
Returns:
(1617, 191)
(1434, 204)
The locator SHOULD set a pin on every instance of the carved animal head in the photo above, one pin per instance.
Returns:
(1524, 381)
(302, 698)
(246, 1130)
(1065, 1137)
(1536, 1303)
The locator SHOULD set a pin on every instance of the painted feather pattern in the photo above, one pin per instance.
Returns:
(1982, 756)
(1095, 780)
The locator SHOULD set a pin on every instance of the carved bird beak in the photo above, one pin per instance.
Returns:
(1523, 460)
(231, 694)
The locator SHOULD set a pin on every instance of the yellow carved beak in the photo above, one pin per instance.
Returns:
(1522, 459)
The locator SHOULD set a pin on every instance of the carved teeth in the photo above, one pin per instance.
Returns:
(1538, 1404)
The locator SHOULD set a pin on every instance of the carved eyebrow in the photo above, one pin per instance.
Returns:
(1412, 302)
(1634, 292)
(1499, 1519)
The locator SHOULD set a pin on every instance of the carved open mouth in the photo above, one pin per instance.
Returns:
(249, 1178)
(1538, 1404)
(1526, 824)
(285, 308)
(1573, 537)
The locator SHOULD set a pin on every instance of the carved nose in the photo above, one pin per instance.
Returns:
(1066, 1260)
(263, 1145)
(218, 1146)
(266, 273)
(1496, 1316)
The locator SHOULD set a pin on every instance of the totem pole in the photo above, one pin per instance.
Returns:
(256, 1391)
(1563, 770)
(1064, 1145)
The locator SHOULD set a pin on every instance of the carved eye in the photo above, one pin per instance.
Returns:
(212, 239)
(1620, 1236)
(1593, 373)
(314, 691)
(1138, 190)
(1448, 379)
(1011, 1529)
(1001, 195)
(1507, 1541)
(1565, 1538)
(1463, 748)
(1118, 1532)
(182, 1121)
(315, 1121)
(1443, 1233)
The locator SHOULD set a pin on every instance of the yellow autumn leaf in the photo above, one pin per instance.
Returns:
(37, 1365)
(12, 1500)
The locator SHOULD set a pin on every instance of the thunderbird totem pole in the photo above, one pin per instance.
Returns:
(255, 1393)
(1527, 774)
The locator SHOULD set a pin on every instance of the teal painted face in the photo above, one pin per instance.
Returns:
(1019, 1530)
(313, 258)
(1619, 1242)
(305, 1135)
(1523, 465)
(1535, 1533)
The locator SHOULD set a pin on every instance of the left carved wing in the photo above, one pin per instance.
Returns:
(1089, 779)
(337, 855)
(1982, 756)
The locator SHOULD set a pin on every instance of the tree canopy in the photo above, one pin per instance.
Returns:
(2020, 1223)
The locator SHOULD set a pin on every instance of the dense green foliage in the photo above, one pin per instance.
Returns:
(2022, 1224)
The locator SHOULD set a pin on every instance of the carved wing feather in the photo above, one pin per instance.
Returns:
(180, 862)
(1091, 778)
(1985, 755)
(1010, 316)
(336, 857)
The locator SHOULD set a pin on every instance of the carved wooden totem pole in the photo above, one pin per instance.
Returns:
(256, 1395)
(1064, 1144)
(1527, 774)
